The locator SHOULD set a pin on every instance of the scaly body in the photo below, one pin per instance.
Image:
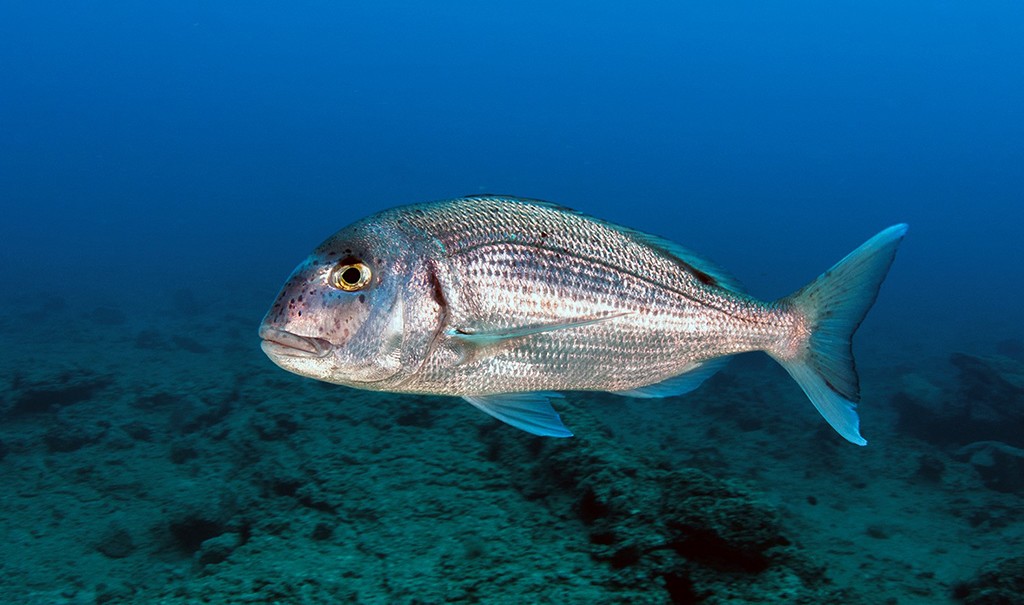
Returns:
(503, 265)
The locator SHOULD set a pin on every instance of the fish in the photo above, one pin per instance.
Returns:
(507, 302)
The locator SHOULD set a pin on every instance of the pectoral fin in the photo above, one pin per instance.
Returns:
(531, 412)
(492, 337)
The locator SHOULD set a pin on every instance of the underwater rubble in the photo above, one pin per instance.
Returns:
(1000, 582)
(986, 404)
(981, 418)
(228, 491)
(28, 397)
(205, 475)
(1000, 466)
(698, 538)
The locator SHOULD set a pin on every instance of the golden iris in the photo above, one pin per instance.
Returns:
(350, 276)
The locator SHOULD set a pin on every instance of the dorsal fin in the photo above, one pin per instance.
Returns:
(704, 270)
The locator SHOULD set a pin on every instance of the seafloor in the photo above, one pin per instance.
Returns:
(152, 454)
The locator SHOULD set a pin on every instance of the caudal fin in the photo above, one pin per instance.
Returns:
(832, 308)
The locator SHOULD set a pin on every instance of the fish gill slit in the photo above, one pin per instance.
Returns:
(436, 291)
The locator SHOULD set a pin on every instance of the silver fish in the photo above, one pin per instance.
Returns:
(503, 301)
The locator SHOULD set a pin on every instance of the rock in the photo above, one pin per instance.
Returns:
(698, 535)
(68, 437)
(991, 381)
(57, 392)
(182, 452)
(1000, 582)
(322, 531)
(929, 469)
(419, 412)
(203, 514)
(158, 401)
(217, 549)
(877, 532)
(116, 542)
(275, 427)
(113, 594)
(192, 531)
(988, 404)
(1001, 466)
(198, 415)
(138, 431)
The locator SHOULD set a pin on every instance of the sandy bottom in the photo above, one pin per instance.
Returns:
(157, 456)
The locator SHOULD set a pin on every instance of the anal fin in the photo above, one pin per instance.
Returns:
(678, 385)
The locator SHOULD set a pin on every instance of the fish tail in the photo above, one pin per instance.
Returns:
(819, 356)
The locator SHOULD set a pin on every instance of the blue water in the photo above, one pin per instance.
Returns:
(151, 148)
(220, 141)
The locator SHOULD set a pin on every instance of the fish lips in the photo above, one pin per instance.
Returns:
(278, 342)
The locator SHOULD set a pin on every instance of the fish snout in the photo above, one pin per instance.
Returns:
(276, 341)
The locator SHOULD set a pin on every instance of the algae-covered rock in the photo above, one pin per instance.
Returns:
(217, 549)
(1000, 466)
(987, 405)
(48, 396)
(679, 531)
(1000, 582)
(68, 436)
(116, 542)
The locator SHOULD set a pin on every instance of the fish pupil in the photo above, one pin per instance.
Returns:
(351, 276)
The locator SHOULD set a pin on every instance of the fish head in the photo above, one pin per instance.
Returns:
(341, 315)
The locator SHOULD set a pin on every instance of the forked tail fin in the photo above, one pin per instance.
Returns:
(832, 308)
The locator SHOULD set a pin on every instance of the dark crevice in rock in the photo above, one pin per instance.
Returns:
(190, 532)
(49, 396)
(1000, 582)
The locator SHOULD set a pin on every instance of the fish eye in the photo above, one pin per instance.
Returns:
(349, 275)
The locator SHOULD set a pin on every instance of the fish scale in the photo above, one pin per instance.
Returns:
(524, 268)
(504, 300)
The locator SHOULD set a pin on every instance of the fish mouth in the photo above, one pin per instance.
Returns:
(282, 342)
